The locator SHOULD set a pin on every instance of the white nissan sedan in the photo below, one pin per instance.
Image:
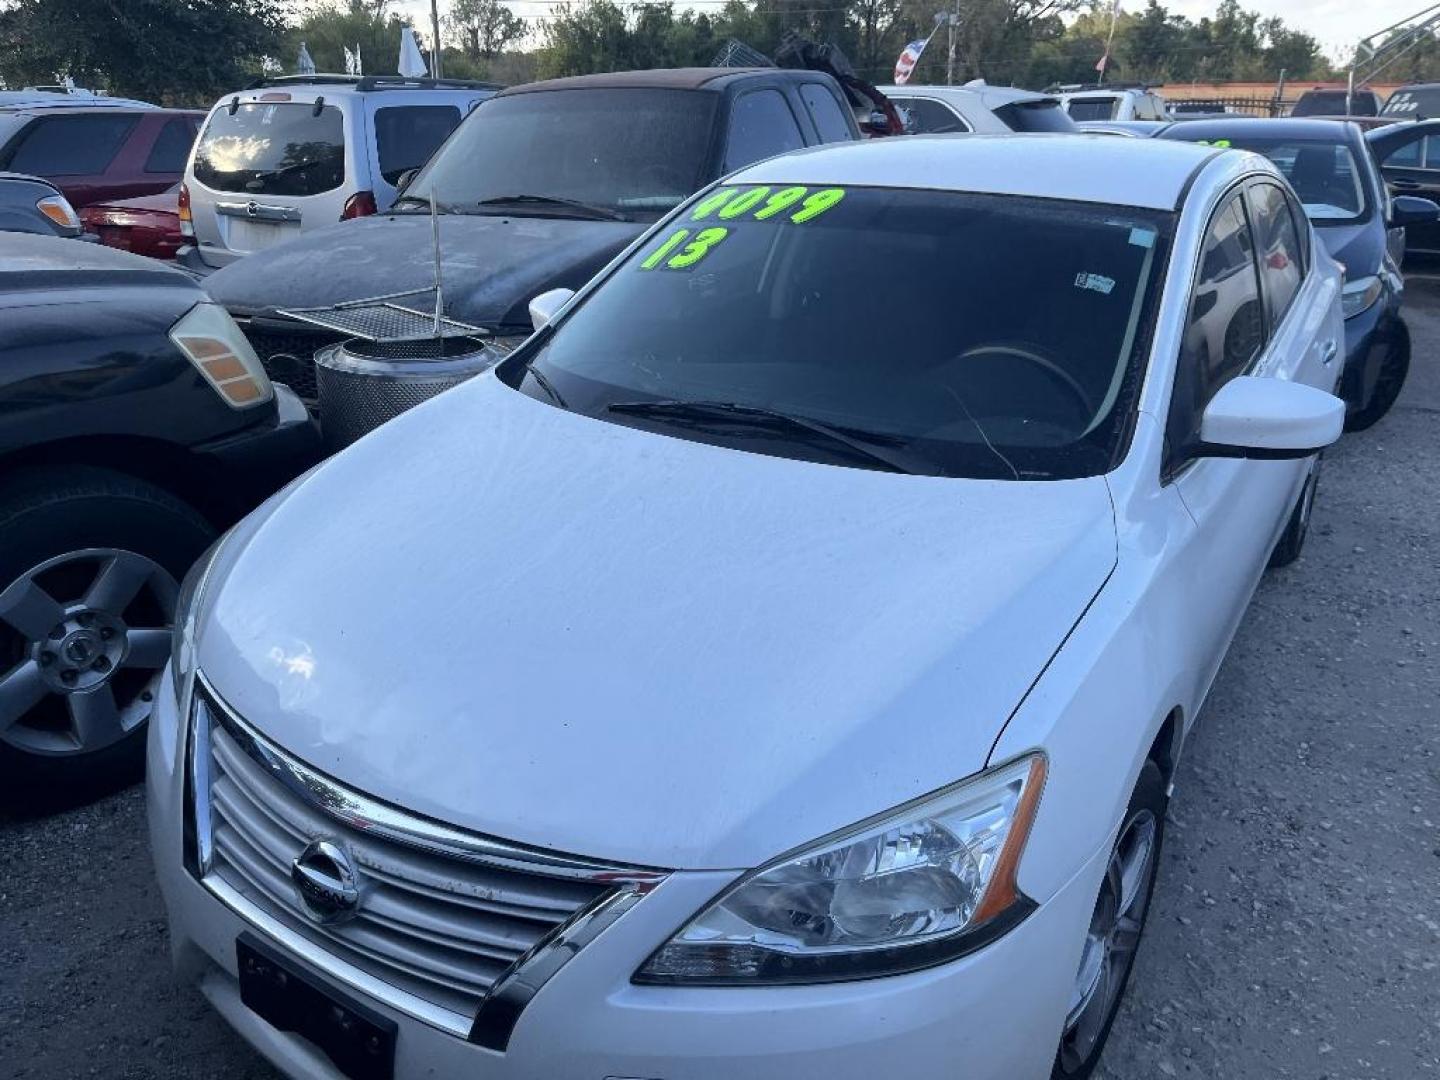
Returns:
(775, 669)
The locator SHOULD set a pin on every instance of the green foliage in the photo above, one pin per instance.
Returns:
(331, 28)
(485, 27)
(171, 51)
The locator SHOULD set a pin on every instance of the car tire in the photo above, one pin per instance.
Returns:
(1388, 383)
(1116, 925)
(90, 562)
(1292, 541)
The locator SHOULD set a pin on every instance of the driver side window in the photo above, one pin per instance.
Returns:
(1225, 330)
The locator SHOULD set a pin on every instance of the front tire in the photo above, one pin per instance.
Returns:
(1292, 541)
(90, 562)
(1115, 928)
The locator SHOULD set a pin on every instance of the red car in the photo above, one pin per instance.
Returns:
(98, 153)
(149, 225)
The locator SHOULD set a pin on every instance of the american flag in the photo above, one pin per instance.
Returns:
(909, 57)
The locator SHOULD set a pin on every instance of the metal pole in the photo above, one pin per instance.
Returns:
(1350, 93)
(954, 17)
(437, 52)
(439, 289)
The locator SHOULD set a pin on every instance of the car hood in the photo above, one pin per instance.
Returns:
(625, 645)
(490, 266)
(1360, 247)
(48, 269)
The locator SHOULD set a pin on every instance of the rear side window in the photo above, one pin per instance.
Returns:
(172, 147)
(1094, 108)
(1282, 263)
(1420, 103)
(928, 117)
(70, 145)
(273, 149)
(829, 120)
(1225, 330)
(761, 126)
(1039, 115)
(406, 136)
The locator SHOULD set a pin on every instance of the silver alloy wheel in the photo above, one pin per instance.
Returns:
(84, 676)
(1112, 939)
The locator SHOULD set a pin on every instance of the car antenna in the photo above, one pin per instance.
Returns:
(435, 239)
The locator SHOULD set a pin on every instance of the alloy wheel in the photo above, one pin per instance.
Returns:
(83, 638)
(1112, 939)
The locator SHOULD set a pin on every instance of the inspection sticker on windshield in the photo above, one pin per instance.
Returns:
(1095, 283)
(794, 205)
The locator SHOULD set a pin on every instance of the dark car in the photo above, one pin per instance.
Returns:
(147, 225)
(99, 152)
(1331, 169)
(1321, 101)
(135, 424)
(539, 187)
(29, 204)
(1411, 166)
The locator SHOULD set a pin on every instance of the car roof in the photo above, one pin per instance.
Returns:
(1306, 129)
(693, 78)
(91, 108)
(992, 97)
(23, 99)
(1117, 172)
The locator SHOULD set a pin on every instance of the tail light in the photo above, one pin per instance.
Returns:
(209, 338)
(361, 204)
(187, 222)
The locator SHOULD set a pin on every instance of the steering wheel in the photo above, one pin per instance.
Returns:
(1057, 374)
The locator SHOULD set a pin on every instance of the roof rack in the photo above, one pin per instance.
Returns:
(366, 83)
(1085, 88)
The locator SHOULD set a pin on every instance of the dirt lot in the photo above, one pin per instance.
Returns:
(1296, 929)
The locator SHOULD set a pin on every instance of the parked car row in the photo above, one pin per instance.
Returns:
(693, 796)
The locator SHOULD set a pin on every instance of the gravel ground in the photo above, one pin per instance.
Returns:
(1295, 930)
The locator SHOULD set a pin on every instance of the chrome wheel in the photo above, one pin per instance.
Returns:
(83, 638)
(1112, 939)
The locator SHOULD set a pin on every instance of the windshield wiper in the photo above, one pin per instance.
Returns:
(421, 205)
(573, 206)
(710, 412)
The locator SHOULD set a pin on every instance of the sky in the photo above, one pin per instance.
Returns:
(1338, 24)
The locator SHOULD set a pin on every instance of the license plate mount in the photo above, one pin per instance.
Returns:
(359, 1040)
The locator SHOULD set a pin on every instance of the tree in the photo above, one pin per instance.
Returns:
(330, 29)
(174, 51)
(485, 26)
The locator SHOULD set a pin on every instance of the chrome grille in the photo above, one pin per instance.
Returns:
(438, 926)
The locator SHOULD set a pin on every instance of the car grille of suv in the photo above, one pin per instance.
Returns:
(288, 356)
(435, 925)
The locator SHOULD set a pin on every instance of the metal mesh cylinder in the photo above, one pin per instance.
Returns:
(362, 384)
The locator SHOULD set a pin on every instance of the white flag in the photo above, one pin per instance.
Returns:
(303, 64)
(412, 64)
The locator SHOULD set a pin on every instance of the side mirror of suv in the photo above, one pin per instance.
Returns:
(1412, 210)
(404, 181)
(547, 305)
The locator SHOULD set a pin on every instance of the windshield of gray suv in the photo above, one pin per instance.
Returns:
(630, 153)
(912, 331)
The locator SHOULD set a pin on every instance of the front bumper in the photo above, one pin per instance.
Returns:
(1369, 339)
(993, 1015)
(263, 458)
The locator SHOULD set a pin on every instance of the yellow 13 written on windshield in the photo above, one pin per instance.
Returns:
(682, 250)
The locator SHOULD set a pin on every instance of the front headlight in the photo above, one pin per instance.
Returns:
(916, 887)
(187, 618)
(209, 338)
(1357, 296)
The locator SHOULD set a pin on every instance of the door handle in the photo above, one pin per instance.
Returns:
(1405, 185)
(1328, 351)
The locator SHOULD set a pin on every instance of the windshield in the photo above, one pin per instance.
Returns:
(632, 151)
(1418, 103)
(270, 148)
(1324, 174)
(1332, 103)
(1092, 108)
(1041, 114)
(938, 330)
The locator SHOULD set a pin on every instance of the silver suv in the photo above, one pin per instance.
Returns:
(300, 151)
(1109, 101)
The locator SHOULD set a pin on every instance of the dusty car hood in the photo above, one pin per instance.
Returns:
(491, 266)
(630, 646)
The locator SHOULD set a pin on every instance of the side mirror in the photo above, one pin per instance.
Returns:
(405, 178)
(547, 305)
(1411, 210)
(1252, 417)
